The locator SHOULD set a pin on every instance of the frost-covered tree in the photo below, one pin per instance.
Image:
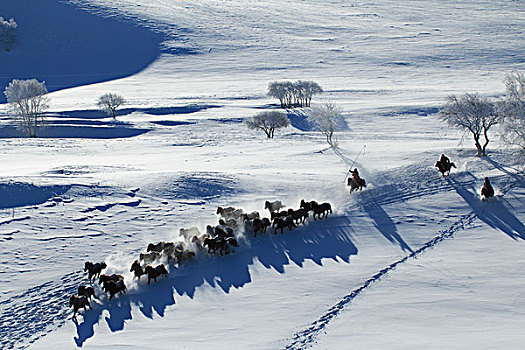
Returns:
(109, 103)
(268, 122)
(513, 111)
(8, 33)
(289, 92)
(306, 90)
(474, 114)
(28, 101)
(298, 94)
(325, 119)
(276, 90)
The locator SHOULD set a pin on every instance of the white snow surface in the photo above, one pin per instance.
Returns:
(414, 260)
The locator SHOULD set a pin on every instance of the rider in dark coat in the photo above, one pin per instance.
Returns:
(445, 162)
(355, 175)
(487, 190)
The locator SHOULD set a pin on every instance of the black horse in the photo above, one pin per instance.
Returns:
(444, 167)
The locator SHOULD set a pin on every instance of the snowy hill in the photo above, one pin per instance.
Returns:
(412, 260)
(68, 46)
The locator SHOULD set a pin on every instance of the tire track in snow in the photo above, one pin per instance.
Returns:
(30, 315)
(306, 338)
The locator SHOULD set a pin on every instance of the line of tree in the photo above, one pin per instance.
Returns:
(298, 94)
(8, 34)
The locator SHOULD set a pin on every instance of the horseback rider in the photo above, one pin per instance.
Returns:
(445, 162)
(355, 175)
(487, 190)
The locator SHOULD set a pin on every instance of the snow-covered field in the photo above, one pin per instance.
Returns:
(414, 260)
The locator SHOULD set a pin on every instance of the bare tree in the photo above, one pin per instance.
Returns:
(8, 33)
(110, 103)
(268, 122)
(325, 119)
(472, 113)
(28, 100)
(513, 111)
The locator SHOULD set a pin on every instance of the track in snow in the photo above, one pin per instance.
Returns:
(307, 337)
(30, 315)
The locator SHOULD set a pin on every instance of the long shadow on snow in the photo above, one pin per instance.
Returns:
(74, 47)
(18, 194)
(317, 241)
(299, 120)
(384, 224)
(518, 178)
(84, 132)
(98, 114)
(382, 221)
(492, 212)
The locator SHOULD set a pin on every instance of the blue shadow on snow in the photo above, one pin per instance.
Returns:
(384, 224)
(493, 212)
(315, 242)
(66, 46)
(84, 132)
(13, 195)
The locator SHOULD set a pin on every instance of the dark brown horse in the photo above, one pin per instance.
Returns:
(356, 185)
(103, 279)
(154, 272)
(137, 270)
(217, 244)
(308, 205)
(444, 167)
(298, 215)
(114, 287)
(94, 270)
(87, 291)
(78, 302)
(321, 210)
(281, 223)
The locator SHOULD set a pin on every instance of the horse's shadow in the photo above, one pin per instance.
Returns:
(317, 241)
(384, 224)
(495, 213)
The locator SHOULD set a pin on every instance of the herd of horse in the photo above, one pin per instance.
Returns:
(219, 239)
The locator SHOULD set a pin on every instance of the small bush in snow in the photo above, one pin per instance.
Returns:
(8, 33)
(109, 103)
(513, 111)
(268, 122)
(474, 114)
(325, 119)
(298, 94)
(28, 101)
